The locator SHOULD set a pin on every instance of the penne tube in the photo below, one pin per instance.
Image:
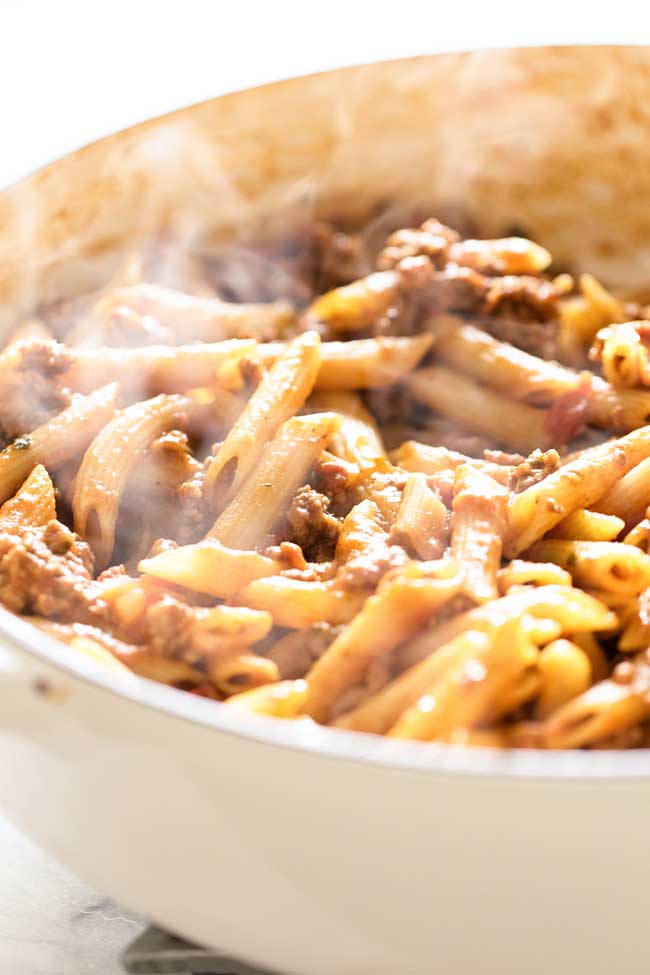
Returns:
(243, 624)
(299, 604)
(585, 314)
(199, 319)
(361, 363)
(574, 610)
(519, 572)
(590, 526)
(210, 567)
(280, 394)
(33, 504)
(401, 605)
(478, 527)
(110, 459)
(640, 535)
(421, 524)
(591, 647)
(357, 440)
(629, 497)
(602, 566)
(238, 672)
(565, 671)
(357, 305)
(379, 713)
(503, 366)
(478, 689)
(266, 493)
(282, 700)
(618, 410)
(603, 710)
(154, 369)
(623, 351)
(480, 409)
(578, 484)
(425, 459)
(534, 380)
(58, 440)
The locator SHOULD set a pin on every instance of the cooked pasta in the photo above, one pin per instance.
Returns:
(405, 493)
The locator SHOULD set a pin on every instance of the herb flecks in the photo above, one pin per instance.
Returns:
(22, 443)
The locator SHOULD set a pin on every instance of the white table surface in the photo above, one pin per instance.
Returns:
(71, 72)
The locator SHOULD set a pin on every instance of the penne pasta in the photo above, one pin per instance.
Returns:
(506, 368)
(623, 351)
(574, 610)
(480, 409)
(284, 464)
(629, 498)
(603, 710)
(421, 524)
(109, 460)
(478, 527)
(33, 504)
(603, 566)
(280, 394)
(58, 440)
(199, 319)
(578, 484)
(238, 672)
(210, 567)
(399, 608)
(590, 526)
(565, 671)
(425, 459)
(355, 306)
(522, 573)
(480, 688)
(361, 363)
(282, 700)
(300, 604)
(357, 441)
(335, 501)
(154, 369)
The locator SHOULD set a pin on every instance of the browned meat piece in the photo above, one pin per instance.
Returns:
(522, 296)
(432, 239)
(170, 625)
(539, 338)
(338, 257)
(310, 525)
(33, 389)
(294, 653)
(536, 467)
(502, 458)
(47, 571)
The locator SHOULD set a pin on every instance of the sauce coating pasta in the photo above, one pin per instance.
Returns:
(381, 497)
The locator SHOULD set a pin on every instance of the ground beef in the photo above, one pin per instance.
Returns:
(294, 653)
(170, 624)
(48, 571)
(310, 525)
(338, 257)
(539, 338)
(535, 468)
(432, 239)
(35, 390)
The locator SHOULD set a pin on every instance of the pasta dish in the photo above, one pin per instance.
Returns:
(394, 481)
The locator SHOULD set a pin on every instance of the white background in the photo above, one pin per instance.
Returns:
(71, 72)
